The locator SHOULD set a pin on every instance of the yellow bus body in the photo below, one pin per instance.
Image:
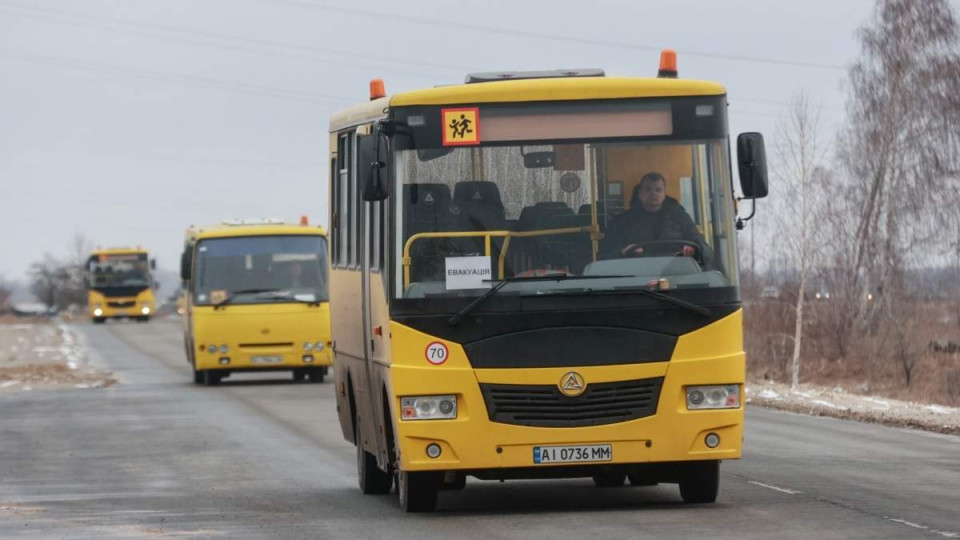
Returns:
(242, 333)
(379, 361)
(138, 305)
(712, 353)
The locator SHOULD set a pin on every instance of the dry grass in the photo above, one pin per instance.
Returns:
(895, 359)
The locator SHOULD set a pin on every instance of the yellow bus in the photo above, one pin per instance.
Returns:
(500, 310)
(255, 300)
(120, 285)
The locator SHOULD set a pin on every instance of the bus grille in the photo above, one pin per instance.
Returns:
(545, 406)
(121, 303)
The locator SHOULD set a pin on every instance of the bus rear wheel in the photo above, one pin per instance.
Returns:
(372, 480)
(699, 481)
(418, 491)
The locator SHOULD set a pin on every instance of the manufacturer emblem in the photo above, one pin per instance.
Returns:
(265, 331)
(572, 384)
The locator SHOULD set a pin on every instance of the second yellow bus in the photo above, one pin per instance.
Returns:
(255, 299)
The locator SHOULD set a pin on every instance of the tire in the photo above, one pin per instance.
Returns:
(197, 376)
(609, 480)
(299, 376)
(145, 318)
(316, 375)
(211, 377)
(418, 491)
(98, 320)
(699, 481)
(372, 480)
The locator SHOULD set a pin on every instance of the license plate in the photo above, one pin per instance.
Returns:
(572, 453)
(266, 359)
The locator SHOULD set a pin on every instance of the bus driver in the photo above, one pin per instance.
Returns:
(653, 218)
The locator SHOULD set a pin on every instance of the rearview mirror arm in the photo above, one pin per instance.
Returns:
(741, 222)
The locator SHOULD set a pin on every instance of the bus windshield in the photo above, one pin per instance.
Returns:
(260, 269)
(623, 214)
(116, 271)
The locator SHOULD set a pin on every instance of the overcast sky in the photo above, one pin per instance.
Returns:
(128, 120)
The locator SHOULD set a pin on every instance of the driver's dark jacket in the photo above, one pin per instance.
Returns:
(636, 226)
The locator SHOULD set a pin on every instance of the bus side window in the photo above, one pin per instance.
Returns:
(334, 213)
(346, 218)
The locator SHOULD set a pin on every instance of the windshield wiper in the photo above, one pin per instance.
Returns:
(662, 297)
(234, 294)
(455, 320)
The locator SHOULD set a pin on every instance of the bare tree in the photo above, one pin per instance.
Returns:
(901, 145)
(800, 169)
(6, 291)
(61, 283)
(47, 279)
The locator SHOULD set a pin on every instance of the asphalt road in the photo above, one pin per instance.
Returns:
(262, 457)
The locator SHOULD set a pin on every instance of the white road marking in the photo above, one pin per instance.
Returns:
(944, 534)
(775, 488)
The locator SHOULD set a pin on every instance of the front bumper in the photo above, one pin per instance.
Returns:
(473, 442)
(262, 359)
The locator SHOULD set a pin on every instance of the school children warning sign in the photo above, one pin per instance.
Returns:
(461, 126)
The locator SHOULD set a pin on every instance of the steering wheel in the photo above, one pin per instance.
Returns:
(661, 248)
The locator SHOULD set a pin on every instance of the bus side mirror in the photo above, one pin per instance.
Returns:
(752, 163)
(372, 167)
(185, 263)
(153, 264)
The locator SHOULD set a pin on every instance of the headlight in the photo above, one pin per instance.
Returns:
(307, 347)
(318, 347)
(726, 396)
(428, 407)
(212, 349)
(145, 310)
(224, 348)
(97, 312)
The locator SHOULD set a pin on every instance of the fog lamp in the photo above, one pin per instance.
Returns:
(712, 440)
(433, 450)
(224, 361)
(307, 359)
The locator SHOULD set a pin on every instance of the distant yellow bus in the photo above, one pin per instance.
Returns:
(120, 285)
(499, 310)
(255, 299)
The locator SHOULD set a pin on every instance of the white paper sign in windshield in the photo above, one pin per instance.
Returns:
(467, 272)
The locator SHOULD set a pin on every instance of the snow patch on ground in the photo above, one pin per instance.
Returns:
(840, 403)
(45, 355)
